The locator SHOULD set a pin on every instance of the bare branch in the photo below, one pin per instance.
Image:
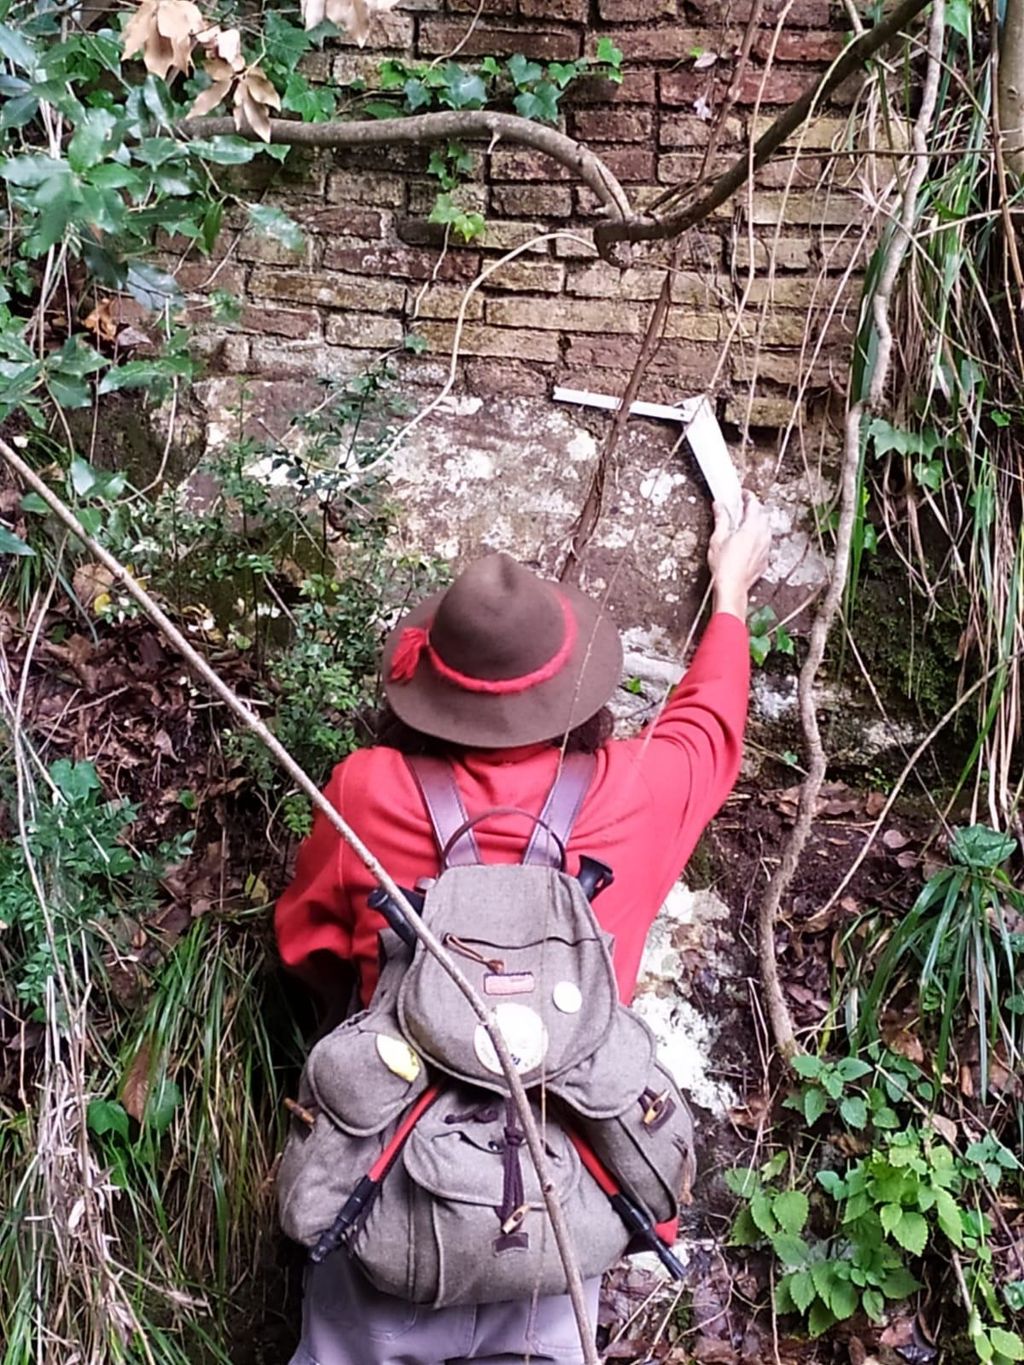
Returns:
(305, 784)
(471, 125)
(650, 227)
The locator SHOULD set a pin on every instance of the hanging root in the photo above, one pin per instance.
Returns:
(849, 481)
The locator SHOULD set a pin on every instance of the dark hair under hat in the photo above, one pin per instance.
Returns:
(501, 658)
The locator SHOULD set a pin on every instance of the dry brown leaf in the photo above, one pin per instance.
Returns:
(254, 95)
(179, 21)
(260, 88)
(895, 839)
(944, 1127)
(139, 27)
(91, 581)
(135, 1088)
(101, 321)
(209, 98)
(354, 16)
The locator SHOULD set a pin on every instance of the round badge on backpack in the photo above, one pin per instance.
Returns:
(525, 1036)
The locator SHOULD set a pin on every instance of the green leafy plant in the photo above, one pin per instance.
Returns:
(958, 951)
(766, 636)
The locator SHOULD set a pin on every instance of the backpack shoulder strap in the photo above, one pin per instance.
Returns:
(436, 783)
(565, 800)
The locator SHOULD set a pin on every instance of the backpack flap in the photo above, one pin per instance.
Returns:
(465, 1221)
(528, 942)
(627, 1107)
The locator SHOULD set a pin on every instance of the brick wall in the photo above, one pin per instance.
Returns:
(763, 293)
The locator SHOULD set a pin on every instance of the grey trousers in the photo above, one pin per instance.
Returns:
(345, 1321)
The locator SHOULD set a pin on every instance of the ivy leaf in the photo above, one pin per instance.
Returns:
(284, 43)
(275, 223)
(14, 47)
(141, 374)
(911, 1232)
(16, 112)
(463, 89)
(791, 1209)
(30, 172)
(76, 782)
(540, 104)
(760, 648)
(93, 131)
(10, 544)
(154, 289)
(608, 53)
(523, 71)
(224, 149)
(107, 1116)
(313, 104)
(563, 72)
(417, 96)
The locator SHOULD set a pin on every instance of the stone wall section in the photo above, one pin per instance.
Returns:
(763, 292)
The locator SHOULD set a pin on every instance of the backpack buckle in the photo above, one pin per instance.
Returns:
(659, 1107)
(515, 1219)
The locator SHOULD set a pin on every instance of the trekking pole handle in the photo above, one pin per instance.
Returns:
(350, 1211)
(640, 1224)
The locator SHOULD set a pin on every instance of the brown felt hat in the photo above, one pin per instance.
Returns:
(501, 658)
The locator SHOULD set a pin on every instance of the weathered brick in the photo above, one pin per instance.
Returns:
(361, 292)
(423, 194)
(687, 168)
(358, 187)
(257, 246)
(832, 253)
(532, 201)
(772, 207)
(604, 281)
(578, 247)
(613, 125)
(760, 412)
(776, 85)
(666, 43)
(784, 253)
(822, 134)
(787, 368)
(635, 11)
(222, 352)
(443, 301)
(629, 164)
(683, 88)
(401, 262)
(567, 11)
(476, 339)
(335, 221)
(788, 292)
(350, 67)
(316, 67)
(500, 7)
(687, 130)
(797, 46)
(301, 324)
(506, 377)
(589, 206)
(797, 173)
(194, 277)
(571, 315)
(793, 329)
(541, 277)
(520, 164)
(693, 325)
(303, 174)
(365, 330)
(307, 359)
(441, 36)
(797, 13)
(388, 29)
(690, 367)
(636, 87)
(499, 235)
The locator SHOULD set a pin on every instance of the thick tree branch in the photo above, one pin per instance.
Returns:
(1010, 86)
(651, 227)
(305, 784)
(470, 125)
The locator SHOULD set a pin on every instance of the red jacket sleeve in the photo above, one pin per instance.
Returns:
(313, 917)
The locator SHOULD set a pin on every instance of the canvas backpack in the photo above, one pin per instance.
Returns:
(405, 1146)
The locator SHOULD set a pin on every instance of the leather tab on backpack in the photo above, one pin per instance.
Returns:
(561, 809)
(436, 782)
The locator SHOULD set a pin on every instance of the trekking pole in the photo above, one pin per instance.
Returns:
(356, 1205)
(634, 1215)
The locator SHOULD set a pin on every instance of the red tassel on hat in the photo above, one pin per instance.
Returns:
(405, 660)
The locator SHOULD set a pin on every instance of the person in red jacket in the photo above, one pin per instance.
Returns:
(502, 674)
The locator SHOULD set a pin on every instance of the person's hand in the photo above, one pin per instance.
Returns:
(738, 555)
